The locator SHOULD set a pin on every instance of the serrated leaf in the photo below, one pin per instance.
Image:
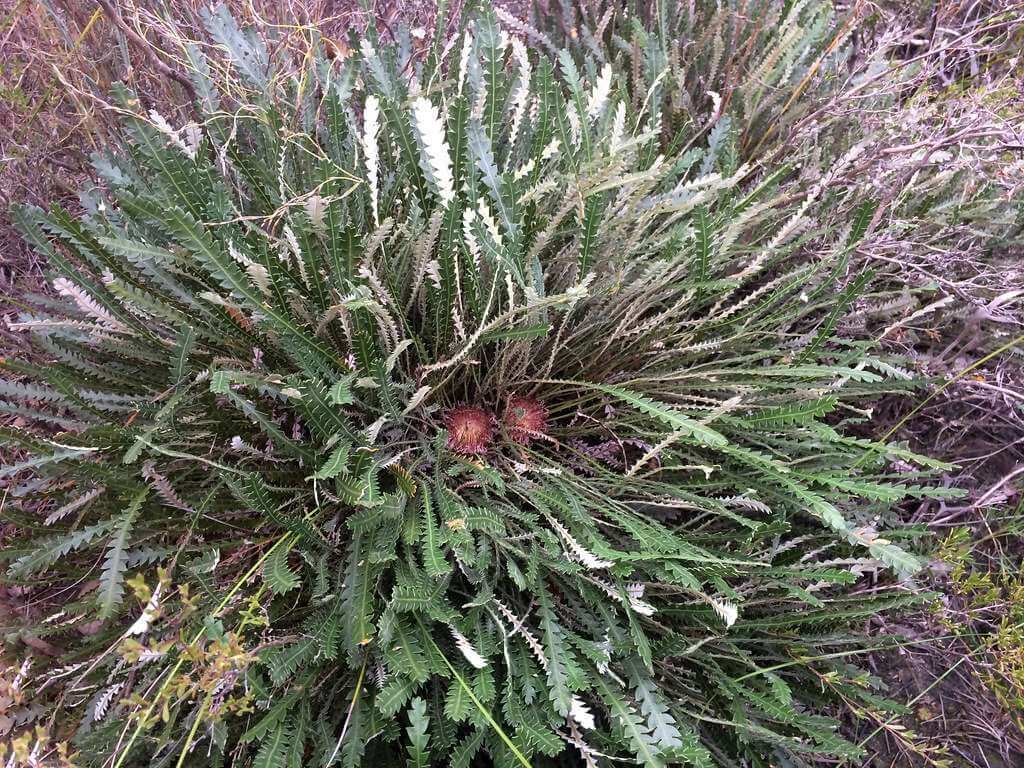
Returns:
(394, 695)
(341, 391)
(457, 704)
(277, 573)
(273, 752)
(558, 657)
(419, 754)
(434, 560)
(183, 347)
(592, 210)
(285, 661)
(336, 464)
(111, 589)
(269, 721)
(898, 559)
(631, 724)
(358, 594)
(686, 426)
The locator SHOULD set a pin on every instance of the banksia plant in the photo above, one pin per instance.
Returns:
(262, 504)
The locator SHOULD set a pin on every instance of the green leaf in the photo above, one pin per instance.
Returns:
(861, 220)
(183, 347)
(336, 464)
(394, 695)
(285, 661)
(273, 752)
(702, 225)
(246, 50)
(419, 754)
(220, 381)
(516, 753)
(686, 426)
(433, 557)
(784, 415)
(592, 210)
(267, 724)
(358, 594)
(457, 704)
(559, 659)
(405, 654)
(276, 572)
(898, 559)
(111, 589)
(212, 256)
(341, 391)
(51, 549)
(664, 730)
(630, 723)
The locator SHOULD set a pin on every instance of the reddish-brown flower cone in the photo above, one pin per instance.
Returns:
(470, 429)
(525, 419)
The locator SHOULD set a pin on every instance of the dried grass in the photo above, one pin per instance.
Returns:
(956, 106)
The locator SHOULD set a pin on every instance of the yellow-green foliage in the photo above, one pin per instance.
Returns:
(991, 597)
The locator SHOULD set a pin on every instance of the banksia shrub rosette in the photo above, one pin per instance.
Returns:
(262, 514)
